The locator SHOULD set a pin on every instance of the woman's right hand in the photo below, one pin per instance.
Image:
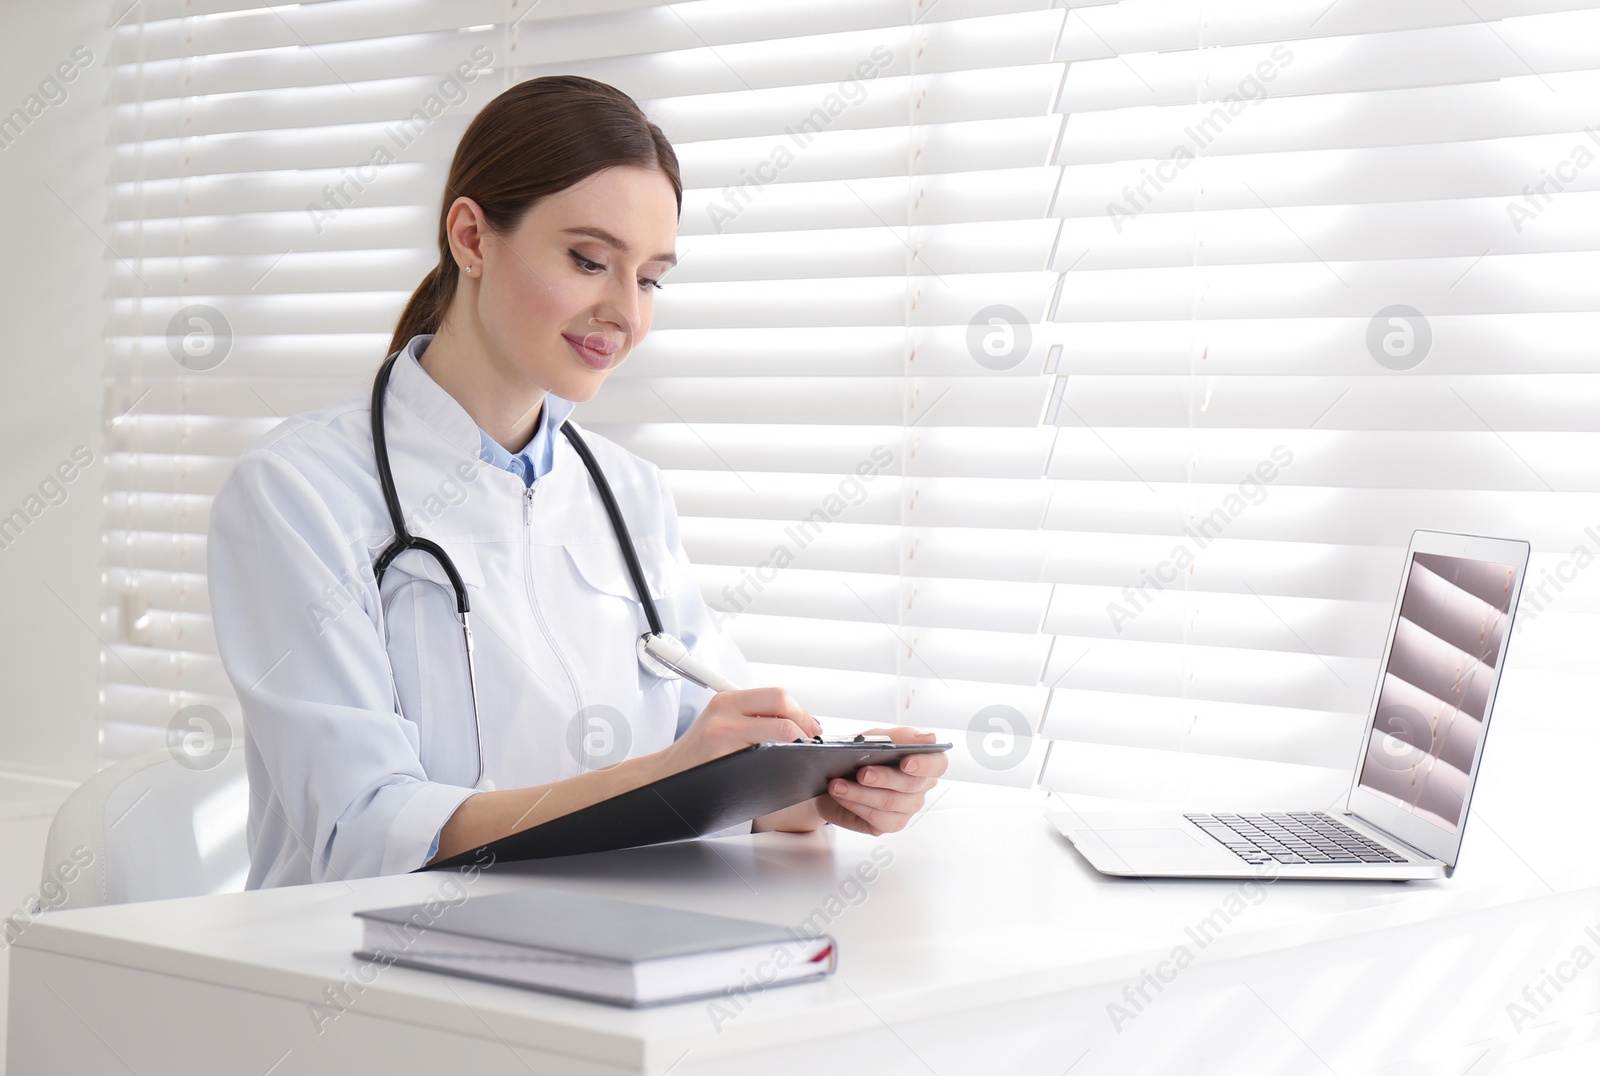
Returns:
(734, 720)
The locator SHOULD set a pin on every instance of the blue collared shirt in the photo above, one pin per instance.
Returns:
(535, 458)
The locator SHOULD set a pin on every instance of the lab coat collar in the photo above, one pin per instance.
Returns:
(412, 388)
(423, 396)
(446, 492)
(433, 441)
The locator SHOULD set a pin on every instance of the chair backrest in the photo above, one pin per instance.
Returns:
(151, 827)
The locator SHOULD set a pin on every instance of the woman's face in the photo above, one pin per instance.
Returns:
(569, 294)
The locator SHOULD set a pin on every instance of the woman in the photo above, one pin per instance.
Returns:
(374, 744)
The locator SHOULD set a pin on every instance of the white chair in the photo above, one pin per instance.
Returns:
(150, 827)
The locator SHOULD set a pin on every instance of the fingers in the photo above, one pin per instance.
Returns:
(758, 729)
(853, 793)
(859, 818)
(884, 798)
(915, 773)
(895, 780)
(775, 702)
(903, 734)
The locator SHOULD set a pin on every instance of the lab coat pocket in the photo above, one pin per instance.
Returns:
(602, 567)
(427, 653)
(616, 616)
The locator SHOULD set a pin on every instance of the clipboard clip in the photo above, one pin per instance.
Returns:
(859, 737)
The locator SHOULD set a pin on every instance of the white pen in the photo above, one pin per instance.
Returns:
(667, 656)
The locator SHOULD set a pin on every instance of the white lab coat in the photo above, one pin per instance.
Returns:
(342, 783)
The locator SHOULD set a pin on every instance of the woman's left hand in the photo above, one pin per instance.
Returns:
(882, 799)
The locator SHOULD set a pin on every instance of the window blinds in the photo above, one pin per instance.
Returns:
(1308, 305)
(989, 318)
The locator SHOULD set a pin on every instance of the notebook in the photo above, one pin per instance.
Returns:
(597, 948)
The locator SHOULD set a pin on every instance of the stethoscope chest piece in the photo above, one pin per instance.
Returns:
(650, 662)
(665, 655)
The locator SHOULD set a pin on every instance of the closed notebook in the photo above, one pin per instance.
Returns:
(615, 951)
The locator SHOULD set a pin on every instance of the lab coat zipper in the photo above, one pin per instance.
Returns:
(538, 613)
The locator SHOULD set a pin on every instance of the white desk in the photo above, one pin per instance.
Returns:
(27, 803)
(984, 944)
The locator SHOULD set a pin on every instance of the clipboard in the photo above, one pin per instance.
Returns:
(725, 791)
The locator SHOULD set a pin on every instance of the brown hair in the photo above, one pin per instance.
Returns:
(535, 139)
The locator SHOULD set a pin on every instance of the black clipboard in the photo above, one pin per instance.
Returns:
(734, 788)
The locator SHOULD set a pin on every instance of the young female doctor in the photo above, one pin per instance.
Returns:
(427, 607)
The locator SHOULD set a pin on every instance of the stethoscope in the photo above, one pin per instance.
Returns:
(660, 653)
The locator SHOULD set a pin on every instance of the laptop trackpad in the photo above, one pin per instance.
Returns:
(1135, 838)
(1171, 837)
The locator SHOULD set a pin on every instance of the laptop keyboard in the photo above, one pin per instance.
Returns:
(1298, 837)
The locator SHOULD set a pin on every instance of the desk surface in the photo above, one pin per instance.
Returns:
(1016, 915)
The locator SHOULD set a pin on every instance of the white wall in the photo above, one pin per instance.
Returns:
(53, 287)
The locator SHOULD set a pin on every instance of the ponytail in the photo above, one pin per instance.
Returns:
(424, 313)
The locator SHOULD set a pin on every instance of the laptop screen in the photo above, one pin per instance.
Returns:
(1437, 684)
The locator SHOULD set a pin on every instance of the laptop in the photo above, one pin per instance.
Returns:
(1407, 806)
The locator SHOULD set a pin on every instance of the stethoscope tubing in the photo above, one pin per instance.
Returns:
(404, 539)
